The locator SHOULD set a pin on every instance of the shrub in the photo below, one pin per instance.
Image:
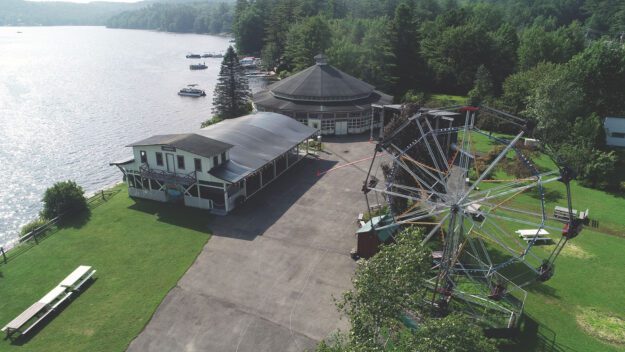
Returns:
(63, 198)
(32, 225)
(212, 121)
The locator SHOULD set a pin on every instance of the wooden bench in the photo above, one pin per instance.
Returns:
(76, 279)
(48, 303)
(537, 239)
(562, 213)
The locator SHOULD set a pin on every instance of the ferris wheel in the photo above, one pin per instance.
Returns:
(482, 199)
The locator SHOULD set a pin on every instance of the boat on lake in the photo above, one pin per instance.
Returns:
(250, 62)
(193, 56)
(192, 92)
(198, 66)
(212, 55)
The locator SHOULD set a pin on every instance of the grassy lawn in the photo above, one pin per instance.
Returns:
(587, 278)
(139, 250)
(446, 99)
(582, 308)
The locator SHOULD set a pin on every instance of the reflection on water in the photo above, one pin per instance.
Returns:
(71, 98)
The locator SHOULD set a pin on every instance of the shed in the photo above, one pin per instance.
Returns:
(369, 238)
(614, 131)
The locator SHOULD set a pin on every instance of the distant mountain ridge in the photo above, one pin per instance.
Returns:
(31, 13)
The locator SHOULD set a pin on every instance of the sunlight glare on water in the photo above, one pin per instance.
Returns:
(71, 98)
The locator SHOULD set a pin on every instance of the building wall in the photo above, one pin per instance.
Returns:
(357, 121)
(207, 163)
(615, 131)
(208, 192)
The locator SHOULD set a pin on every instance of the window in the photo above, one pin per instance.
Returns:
(223, 157)
(159, 159)
(215, 161)
(198, 164)
(144, 156)
(618, 134)
(180, 162)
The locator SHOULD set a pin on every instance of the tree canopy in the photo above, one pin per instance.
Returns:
(200, 17)
(551, 61)
(388, 292)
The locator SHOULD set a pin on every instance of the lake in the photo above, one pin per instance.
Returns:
(71, 98)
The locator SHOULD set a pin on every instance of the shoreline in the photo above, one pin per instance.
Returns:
(13, 240)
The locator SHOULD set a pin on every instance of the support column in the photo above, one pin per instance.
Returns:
(382, 123)
(372, 124)
(225, 197)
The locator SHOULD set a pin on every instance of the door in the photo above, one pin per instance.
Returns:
(341, 127)
(171, 167)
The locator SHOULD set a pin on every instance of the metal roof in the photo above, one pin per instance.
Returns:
(269, 101)
(321, 83)
(190, 142)
(257, 139)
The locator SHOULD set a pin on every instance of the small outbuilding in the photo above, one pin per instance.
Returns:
(614, 131)
(218, 167)
(324, 98)
(373, 233)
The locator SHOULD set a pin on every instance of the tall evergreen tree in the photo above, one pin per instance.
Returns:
(405, 46)
(232, 92)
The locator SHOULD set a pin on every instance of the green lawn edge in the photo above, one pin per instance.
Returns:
(140, 250)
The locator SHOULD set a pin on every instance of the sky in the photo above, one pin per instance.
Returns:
(85, 1)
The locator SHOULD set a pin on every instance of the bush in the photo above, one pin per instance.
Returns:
(63, 198)
(32, 225)
(212, 121)
(416, 97)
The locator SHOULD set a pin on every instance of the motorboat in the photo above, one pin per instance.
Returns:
(212, 55)
(193, 56)
(192, 92)
(198, 66)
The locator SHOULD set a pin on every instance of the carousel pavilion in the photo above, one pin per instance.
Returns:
(324, 98)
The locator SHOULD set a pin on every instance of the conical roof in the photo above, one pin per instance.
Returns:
(321, 83)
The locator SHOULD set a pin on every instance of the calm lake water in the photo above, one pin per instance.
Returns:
(71, 98)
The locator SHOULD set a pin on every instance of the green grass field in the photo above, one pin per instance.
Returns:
(446, 99)
(582, 308)
(139, 250)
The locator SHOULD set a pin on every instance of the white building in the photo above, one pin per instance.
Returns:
(614, 131)
(218, 167)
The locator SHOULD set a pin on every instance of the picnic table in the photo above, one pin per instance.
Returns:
(536, 235)
(532, 232)
(39, 310)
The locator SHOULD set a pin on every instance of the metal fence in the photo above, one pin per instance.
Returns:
(51, 227)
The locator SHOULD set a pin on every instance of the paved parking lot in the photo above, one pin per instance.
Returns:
(265, 280)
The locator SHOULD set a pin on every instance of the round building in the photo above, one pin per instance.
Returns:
(324, 98)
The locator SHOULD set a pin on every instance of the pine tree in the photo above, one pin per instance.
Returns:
(232, 92)
(483, 87)
(404, 40)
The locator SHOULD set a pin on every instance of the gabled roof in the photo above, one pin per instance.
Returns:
(321, 83)
(189, 142)
(257, 139)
